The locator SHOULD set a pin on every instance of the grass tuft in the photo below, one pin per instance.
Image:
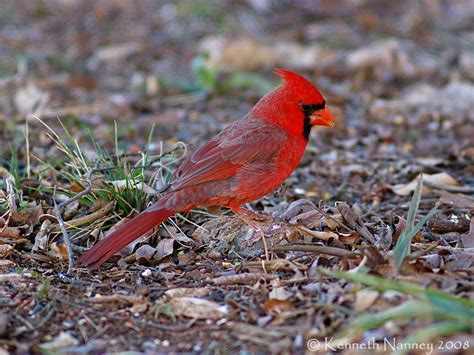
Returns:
(402, 248)
(119, 178)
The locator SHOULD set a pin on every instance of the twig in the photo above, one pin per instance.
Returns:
(272, 265)
(317, 249)
(90, 217)
(24, 321)
(420, 253)
(46, 318)
(242, 279)
(57, 211)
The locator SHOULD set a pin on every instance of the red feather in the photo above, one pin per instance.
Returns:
(120, 238)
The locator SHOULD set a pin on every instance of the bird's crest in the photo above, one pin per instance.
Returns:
(289, 76)
(299, 85)
(295, 81)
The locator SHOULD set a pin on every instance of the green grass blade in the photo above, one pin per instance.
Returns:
(460, 308)
(430, 333)
(402, 248)
(404, 311)
(415, 202)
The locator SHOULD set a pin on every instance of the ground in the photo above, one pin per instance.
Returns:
(113, 93)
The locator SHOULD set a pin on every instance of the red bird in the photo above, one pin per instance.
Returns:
(247, 160)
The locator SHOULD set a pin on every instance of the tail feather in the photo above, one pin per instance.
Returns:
(120, 238)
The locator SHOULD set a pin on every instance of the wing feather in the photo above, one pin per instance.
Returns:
(245, 142)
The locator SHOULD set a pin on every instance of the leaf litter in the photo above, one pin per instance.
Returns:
(349, 255)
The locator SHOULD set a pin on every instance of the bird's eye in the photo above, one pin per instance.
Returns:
(310, 108)
(306, 107)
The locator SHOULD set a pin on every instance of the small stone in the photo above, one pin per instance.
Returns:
(146, 273)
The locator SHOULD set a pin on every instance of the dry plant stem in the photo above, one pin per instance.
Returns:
(57, 211)
(11, 194)
(11, 202)
(91, 217)
(317, 249)
(242, 279)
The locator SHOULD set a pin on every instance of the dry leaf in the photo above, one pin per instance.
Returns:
(5, 264)
(164, 248)
(323, 235)
(114, 53)
(58, 251)
(10, 232)
(364, 299)
(30, 99)
(193, 307)
(116, 298)
(279, 292)
(146, 253)
(438, 179)
(5, 249)
(456, 200)
(348, 238)
(273, 306)
(187, 291)
(64, 339)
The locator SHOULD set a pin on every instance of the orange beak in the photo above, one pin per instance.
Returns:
(322, 117)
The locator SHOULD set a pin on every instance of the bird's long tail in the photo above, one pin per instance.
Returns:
(120, 238)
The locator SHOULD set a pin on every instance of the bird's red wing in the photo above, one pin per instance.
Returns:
(242, 143)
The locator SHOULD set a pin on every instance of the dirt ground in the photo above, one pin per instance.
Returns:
(113, 93)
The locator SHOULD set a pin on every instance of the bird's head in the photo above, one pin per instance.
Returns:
(296, 105)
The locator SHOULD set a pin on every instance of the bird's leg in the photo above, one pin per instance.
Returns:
(258, 231)
(255, 215)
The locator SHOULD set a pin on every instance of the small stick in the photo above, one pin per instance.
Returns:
(57, 211)
(242, 279)
(317, 249)
(11, 194)
(90, 217)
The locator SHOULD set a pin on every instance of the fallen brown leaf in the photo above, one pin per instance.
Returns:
(199, 308)
(275, 306)
(364, 299)
(438, 179)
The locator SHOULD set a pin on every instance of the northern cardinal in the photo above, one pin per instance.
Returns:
(247, 160)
